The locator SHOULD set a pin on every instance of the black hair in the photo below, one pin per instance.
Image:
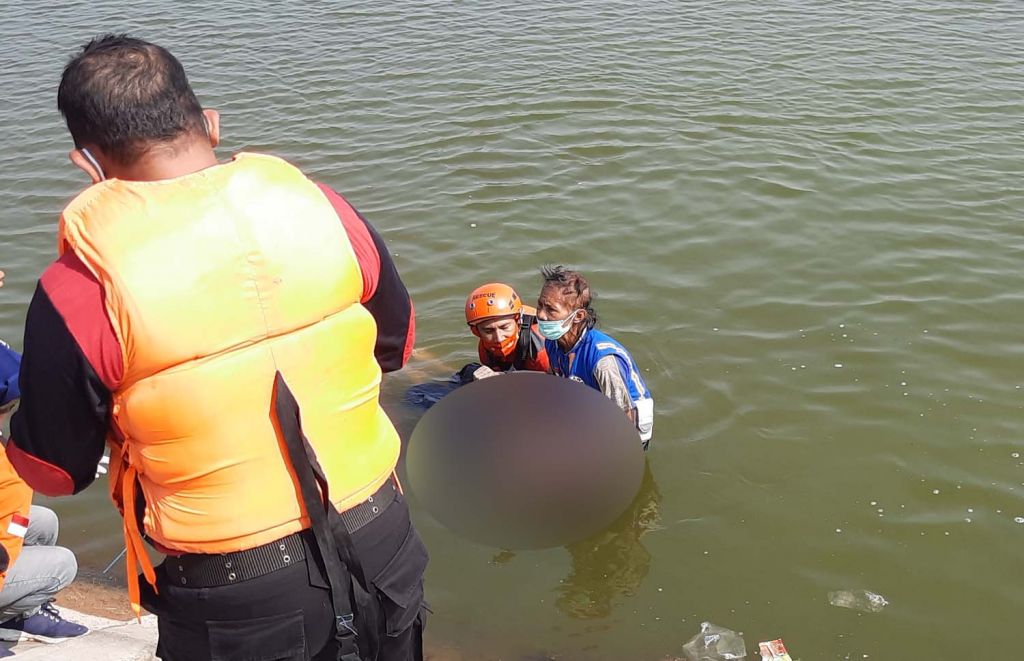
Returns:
(573, 287)
(124, 94)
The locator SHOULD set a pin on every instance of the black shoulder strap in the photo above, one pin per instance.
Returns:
(340, 564)
(526, 348)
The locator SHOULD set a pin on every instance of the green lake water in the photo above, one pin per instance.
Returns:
(801, 218)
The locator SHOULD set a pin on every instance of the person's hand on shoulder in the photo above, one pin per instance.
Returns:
(1, 278)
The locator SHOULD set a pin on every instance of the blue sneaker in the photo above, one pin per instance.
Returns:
(46, 626)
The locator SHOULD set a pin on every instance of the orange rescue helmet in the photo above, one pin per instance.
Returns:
(492, 300)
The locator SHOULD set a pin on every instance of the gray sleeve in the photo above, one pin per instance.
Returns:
(608, 375)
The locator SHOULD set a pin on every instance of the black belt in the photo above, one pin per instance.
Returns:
(204, 570)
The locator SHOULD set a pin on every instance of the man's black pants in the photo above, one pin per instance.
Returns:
(287, 614)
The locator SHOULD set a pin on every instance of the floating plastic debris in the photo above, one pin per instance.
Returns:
(861, 600)
(715, 643)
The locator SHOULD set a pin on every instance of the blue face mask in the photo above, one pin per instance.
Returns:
(556, 329)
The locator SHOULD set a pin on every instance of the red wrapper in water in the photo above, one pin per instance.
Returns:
(773, 650)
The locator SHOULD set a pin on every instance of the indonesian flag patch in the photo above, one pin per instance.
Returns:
(18, 526)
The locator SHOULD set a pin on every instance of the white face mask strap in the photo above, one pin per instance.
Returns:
(92, 160)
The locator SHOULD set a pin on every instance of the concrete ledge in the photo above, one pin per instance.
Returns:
(107, 640)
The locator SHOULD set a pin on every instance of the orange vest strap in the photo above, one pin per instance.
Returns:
(136, 551)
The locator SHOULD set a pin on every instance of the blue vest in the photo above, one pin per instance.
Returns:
(579, 363)
(10, 365)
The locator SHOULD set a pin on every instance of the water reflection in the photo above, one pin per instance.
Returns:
(612, 565)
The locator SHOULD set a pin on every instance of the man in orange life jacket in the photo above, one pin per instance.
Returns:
(508, 334)
(223, 327)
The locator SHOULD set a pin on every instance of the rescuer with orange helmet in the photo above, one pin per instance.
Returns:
(497, 316)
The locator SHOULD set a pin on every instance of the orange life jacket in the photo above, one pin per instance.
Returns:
(15, 501)
(214, 281)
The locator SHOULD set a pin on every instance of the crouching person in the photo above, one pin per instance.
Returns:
(32, 568)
